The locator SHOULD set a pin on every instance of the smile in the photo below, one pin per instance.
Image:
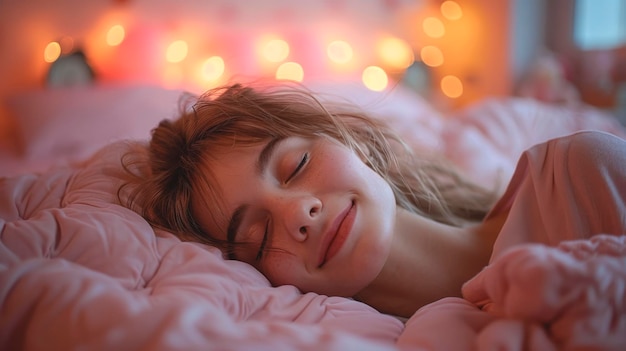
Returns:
(336, 236)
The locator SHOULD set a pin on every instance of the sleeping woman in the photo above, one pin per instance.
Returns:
(322, 197)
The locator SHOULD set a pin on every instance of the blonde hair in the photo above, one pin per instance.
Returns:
(167, 189)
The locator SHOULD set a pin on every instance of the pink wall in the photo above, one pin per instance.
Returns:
(476, 47)
(27, 26)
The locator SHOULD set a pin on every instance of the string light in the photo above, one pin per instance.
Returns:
(431, 56)
(451, 10)
(375, 78)
(276, 50)
(395, 52)
(213, 68)
(433, 27)
(177, 51)
(339, 51)
(451, 86)
(290, 71)
(115, 35)
(52, 51)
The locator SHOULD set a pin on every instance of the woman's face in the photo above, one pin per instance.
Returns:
(316, 216)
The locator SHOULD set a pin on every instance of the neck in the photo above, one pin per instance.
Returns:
(428, 261)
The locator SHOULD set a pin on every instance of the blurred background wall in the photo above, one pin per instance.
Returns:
(457, 52)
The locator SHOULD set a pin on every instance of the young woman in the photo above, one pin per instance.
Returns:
(324, 198)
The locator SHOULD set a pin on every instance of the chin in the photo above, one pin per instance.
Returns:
(366, 265)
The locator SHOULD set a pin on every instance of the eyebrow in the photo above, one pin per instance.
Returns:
(266, 154)
(237, 217)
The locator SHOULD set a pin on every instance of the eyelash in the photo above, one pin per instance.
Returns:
(259, 254)
(303, 161)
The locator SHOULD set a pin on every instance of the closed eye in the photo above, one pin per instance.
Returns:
(259, 254)
(303, 161)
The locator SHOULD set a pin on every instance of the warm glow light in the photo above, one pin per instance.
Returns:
(177, 51)
(395, 52)
(339, 51)
(276, 50)
(52, 52)
(431, 56)
(115, 35)
(213, 68)
(451, 10)
(375, 78)
(290, 71)
(433, 27)
(452, 86)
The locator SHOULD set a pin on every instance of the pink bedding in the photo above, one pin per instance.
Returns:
(535, 297)
(77, 270)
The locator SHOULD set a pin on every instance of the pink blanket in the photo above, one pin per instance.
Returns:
(535, 297)
(77, 270)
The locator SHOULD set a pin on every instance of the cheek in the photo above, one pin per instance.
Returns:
(345, 168)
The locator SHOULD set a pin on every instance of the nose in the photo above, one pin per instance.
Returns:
(299, 214)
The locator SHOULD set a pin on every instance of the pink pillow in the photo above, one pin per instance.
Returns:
(74, 122)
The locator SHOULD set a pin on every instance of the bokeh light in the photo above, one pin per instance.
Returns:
(339, 51)
(213, 68)
(290, 71)
(177, 51)
(52, 51)
(451, 86)
(116, 35)
(375, 78)
(431, 56)
(433, 27)
(276, 50)
(395, 52)
(451, 10)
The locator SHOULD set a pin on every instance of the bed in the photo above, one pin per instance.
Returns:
(80, 271)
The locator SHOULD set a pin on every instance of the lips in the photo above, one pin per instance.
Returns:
(336, 235)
